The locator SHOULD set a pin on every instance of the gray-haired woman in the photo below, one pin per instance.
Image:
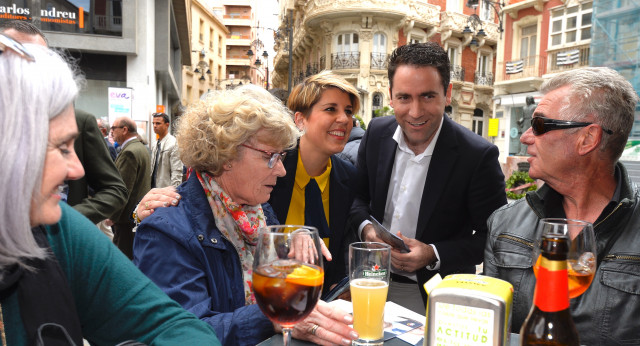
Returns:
(61, 279)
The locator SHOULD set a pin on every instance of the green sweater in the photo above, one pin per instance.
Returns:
(115, 301)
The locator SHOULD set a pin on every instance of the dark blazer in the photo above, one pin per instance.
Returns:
(109, 193)
(340, 200)
(463, 187)
(134, 166)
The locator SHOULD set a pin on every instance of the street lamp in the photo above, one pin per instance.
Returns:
(265, 55)
(202, 66)
(474, 19)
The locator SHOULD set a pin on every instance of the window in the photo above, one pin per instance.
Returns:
(201, 30)
(211, 38)
(571, 25)
(219, 45)
(379, 54)
(347, 43)
(453, 6)
(379, 43)
(453, 55)
(478, 121)
(483, 64)
(486, 10)
(528, 42)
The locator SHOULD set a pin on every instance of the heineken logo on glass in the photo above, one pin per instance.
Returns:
(374, 272)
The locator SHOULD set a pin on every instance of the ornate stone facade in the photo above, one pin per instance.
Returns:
(355, 37)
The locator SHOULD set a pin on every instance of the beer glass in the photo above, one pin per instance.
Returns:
(287, 274)
(369, 270)
(581, 259)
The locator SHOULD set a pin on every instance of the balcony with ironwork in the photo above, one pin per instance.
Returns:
(568, 58)
(342, 61)
(457, 73)
(534, 66)
(483, 78)
(379, 61)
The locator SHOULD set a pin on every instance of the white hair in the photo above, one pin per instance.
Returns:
(31, 94)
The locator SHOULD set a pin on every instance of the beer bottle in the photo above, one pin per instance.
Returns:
(549, 321)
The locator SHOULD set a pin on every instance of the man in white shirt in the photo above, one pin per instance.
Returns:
(426, 178)
(166, 167)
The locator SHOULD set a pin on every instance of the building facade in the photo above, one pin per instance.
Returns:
(131, 52)
(239, 16)
(354, 39)
(208, 53)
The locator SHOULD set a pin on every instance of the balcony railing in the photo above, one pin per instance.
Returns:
(379, 61)
(341, 61)
(457, 73)
(530, 66)
(311, 69)
(483, 78)
(298, 77)
(239, 37)
(568, 59)
(323, 63)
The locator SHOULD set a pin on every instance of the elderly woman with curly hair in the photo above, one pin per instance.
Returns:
(201, 252)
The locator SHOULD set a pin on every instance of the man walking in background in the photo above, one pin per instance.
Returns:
(103, 126)
(166, 169)
(133, 164)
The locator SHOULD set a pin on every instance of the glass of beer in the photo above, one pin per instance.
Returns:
(287, 274)
(581, 260)
(369, 270)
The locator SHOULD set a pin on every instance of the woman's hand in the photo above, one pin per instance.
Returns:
(157, 198)
(303, 248)
(332, 326)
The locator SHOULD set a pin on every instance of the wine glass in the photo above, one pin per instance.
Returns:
(287, 274)
(581, 259)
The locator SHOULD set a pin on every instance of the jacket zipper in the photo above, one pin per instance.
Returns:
(621, 257)
(516, 239)
(611, 213)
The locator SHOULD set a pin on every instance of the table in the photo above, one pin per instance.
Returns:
(276, 340)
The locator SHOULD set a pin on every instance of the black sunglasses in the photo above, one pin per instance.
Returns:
(542, 125)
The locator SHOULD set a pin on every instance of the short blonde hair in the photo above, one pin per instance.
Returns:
(211, 130)
(306, 94)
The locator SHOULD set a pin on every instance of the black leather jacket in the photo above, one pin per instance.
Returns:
(608, 313)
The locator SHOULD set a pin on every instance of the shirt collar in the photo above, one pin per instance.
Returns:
(402, 145)
(302, 177)
(129, 140)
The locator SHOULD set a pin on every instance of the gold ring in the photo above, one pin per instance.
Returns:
(146, 204)
(314, 329)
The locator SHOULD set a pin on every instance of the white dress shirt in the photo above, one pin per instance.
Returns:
(406, 185)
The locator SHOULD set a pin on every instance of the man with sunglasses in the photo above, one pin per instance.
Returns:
(577, 135)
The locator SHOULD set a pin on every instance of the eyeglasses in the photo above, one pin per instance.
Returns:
(542, 125)
(274, 157)
(116, 127)
(7, 42)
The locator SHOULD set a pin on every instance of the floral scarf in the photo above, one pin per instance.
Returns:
(239, 224)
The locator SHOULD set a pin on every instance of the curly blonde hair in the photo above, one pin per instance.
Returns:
(211, 130)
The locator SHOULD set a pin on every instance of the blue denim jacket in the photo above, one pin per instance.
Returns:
(183, 252)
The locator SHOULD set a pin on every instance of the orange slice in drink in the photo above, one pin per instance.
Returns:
(306, 276)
